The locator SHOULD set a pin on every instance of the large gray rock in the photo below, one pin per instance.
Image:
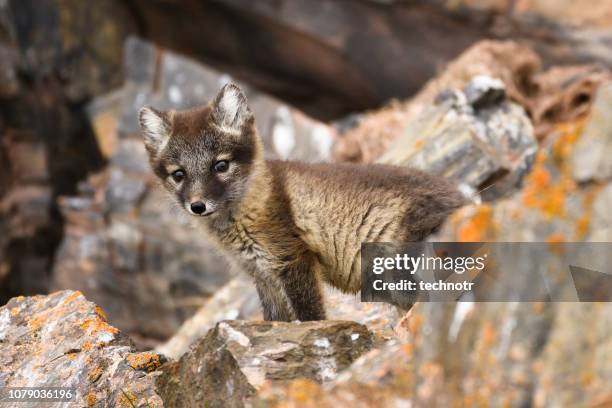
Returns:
(238, 300)
(206, 376)
(64, 340)
(473, 136)
(283, 351)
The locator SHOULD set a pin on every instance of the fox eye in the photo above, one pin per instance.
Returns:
(221, 166)
(178, 175)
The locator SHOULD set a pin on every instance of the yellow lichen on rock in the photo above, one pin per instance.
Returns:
(96, 325)
(146, 361)
(72, 297)
(91, 399)
(545, 194)
(478, 227)
(95, 374)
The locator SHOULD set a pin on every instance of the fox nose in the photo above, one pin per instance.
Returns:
(198, 207)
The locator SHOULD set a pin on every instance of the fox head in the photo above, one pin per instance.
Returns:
(204, 156)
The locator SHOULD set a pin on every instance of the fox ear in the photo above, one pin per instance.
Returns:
(155, 127)
(230, 109)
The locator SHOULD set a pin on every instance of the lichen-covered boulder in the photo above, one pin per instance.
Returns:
(62, 340)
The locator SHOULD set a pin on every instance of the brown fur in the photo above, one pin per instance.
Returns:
(291, 224)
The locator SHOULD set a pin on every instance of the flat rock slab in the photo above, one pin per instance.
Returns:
(282, 351)
(238, 300)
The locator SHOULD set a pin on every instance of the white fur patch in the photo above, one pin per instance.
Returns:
(154, 128)
(229, 104)
(228, 130)
(153, 123)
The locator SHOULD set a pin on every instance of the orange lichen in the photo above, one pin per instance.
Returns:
(14, 311)
(95, 374)
(488, 334)
(146, 361)
(100, 313)
(91, 399)
(478, 227)
(544, 193)
(568, 135)
(408, 348)
(419, 144)
(71, 297)
(555, 243)
(540, 178)
(537, 307)
(96, 325)
(583, 223)
(37, 321)
(555, 238)
(587, 378)
(414, 323)
(127, 399)
(302, 390)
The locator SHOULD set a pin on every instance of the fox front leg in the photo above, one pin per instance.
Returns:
(301, 286)
(275, 304)
(294, 294)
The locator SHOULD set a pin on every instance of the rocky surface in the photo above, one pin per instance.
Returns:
(501, 115)
(473, 136)
(556, 203)
(238, 300)
(284, 351)
(51, 61)
(64, 340)
(345, 50)
(549, 97)
(541, 354)
(207, 376)
(590, 158)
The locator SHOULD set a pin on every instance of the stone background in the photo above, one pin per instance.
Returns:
(511, 99)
